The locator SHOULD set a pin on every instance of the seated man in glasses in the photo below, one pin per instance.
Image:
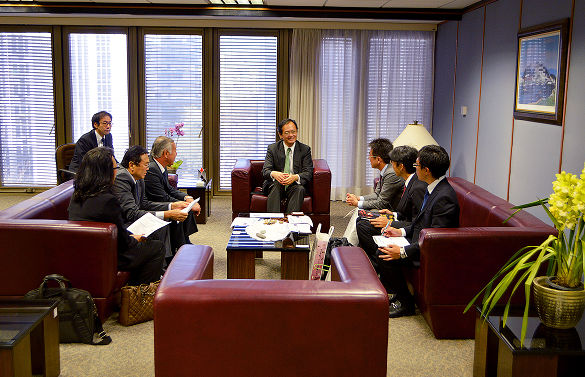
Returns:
(99, 136)
(439, 209)
(387, 193)
(130, 190)
(287, 170)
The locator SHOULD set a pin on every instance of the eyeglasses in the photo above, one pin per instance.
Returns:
(415, 165)
(116, 168)
(287, 133)
(372, 156)
(106, 123)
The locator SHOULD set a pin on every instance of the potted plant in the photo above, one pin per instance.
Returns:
(561, 254)
(177, 129)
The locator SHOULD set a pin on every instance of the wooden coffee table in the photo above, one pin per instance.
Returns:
(29, 338)
(241, 253)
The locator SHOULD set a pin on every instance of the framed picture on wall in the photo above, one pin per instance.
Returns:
(541, 71)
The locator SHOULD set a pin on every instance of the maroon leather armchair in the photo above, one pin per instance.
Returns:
(257, 328)
(247, 194)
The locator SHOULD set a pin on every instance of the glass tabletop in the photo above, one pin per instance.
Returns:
(19, 317)
(240, 240)
(539, 338)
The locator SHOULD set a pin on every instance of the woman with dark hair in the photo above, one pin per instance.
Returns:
(93, 200)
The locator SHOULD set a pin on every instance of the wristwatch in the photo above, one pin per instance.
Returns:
(403, 252)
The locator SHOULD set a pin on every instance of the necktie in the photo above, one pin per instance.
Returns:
(287, 164)
(425, 199)
(102, 143)
(403, 191)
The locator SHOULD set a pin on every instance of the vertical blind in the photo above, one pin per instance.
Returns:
(99, 81)
(372, 83)
(27, 138)
(173, 65)
(247, 99)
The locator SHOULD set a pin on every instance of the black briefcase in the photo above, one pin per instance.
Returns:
(78, 319)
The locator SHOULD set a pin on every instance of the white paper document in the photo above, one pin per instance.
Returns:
(267, 215)
(147, 224)
(243, 221)
(300, 220)
(191, 204)
(385, 241)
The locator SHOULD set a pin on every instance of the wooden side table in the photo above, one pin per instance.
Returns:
(545, 352)
(29, 338)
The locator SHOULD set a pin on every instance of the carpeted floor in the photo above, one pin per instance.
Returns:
(412, 348)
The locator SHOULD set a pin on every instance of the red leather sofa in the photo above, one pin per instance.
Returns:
(455, 264)
(247, 191)
(36, 240)
(256, 328)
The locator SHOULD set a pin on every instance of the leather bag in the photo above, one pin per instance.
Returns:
(137, 303)
(78, 319)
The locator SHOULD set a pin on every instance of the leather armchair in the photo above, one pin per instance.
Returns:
(245, 328)
(247, 194)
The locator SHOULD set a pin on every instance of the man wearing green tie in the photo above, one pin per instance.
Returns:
(287, 170)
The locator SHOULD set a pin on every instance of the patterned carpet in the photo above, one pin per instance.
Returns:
(412, 348)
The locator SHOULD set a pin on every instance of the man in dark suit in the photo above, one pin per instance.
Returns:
(158, 189)
(387, 192)
(99, 136)
(403, 159)
(287, 170)
(440, 209)
(130, 191)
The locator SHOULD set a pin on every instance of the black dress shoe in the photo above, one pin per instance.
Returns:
(399, 310)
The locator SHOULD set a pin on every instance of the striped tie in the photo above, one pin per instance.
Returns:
(287, 164)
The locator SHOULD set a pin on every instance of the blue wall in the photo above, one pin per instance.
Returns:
(475, 67)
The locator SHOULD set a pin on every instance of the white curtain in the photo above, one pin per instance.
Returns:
(349, 87)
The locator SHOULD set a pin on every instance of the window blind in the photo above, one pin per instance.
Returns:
(173, 65)
(27, 138)
(247, 98)
(99, 81)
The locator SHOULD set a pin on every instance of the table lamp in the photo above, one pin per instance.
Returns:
(414, 135)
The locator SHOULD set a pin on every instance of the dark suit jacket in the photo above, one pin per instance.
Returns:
(132, 198)
(440, 211)
(106, 208)
(387, 193)
(86, 143)
(158, 188)
(410, 202)
(274, 161)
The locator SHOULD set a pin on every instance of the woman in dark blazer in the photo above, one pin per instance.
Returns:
(93, 200)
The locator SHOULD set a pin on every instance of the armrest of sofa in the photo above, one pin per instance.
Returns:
(285, 326)
(241, 186)
(457, 263)
(321, 186)
(83, 252)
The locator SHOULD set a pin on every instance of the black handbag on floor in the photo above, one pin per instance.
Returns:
(78, 319)
(332, 244)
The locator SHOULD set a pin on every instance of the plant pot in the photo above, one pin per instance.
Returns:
(557, 309)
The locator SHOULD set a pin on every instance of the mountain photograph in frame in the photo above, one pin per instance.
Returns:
(540, 73)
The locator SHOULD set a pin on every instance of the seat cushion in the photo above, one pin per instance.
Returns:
(258, 203)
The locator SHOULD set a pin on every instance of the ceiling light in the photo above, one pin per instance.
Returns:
(240, 2)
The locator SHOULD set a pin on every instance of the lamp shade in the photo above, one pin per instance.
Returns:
(415, 135)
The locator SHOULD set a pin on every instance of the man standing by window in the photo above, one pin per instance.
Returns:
(288, 168)
(99, 136)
